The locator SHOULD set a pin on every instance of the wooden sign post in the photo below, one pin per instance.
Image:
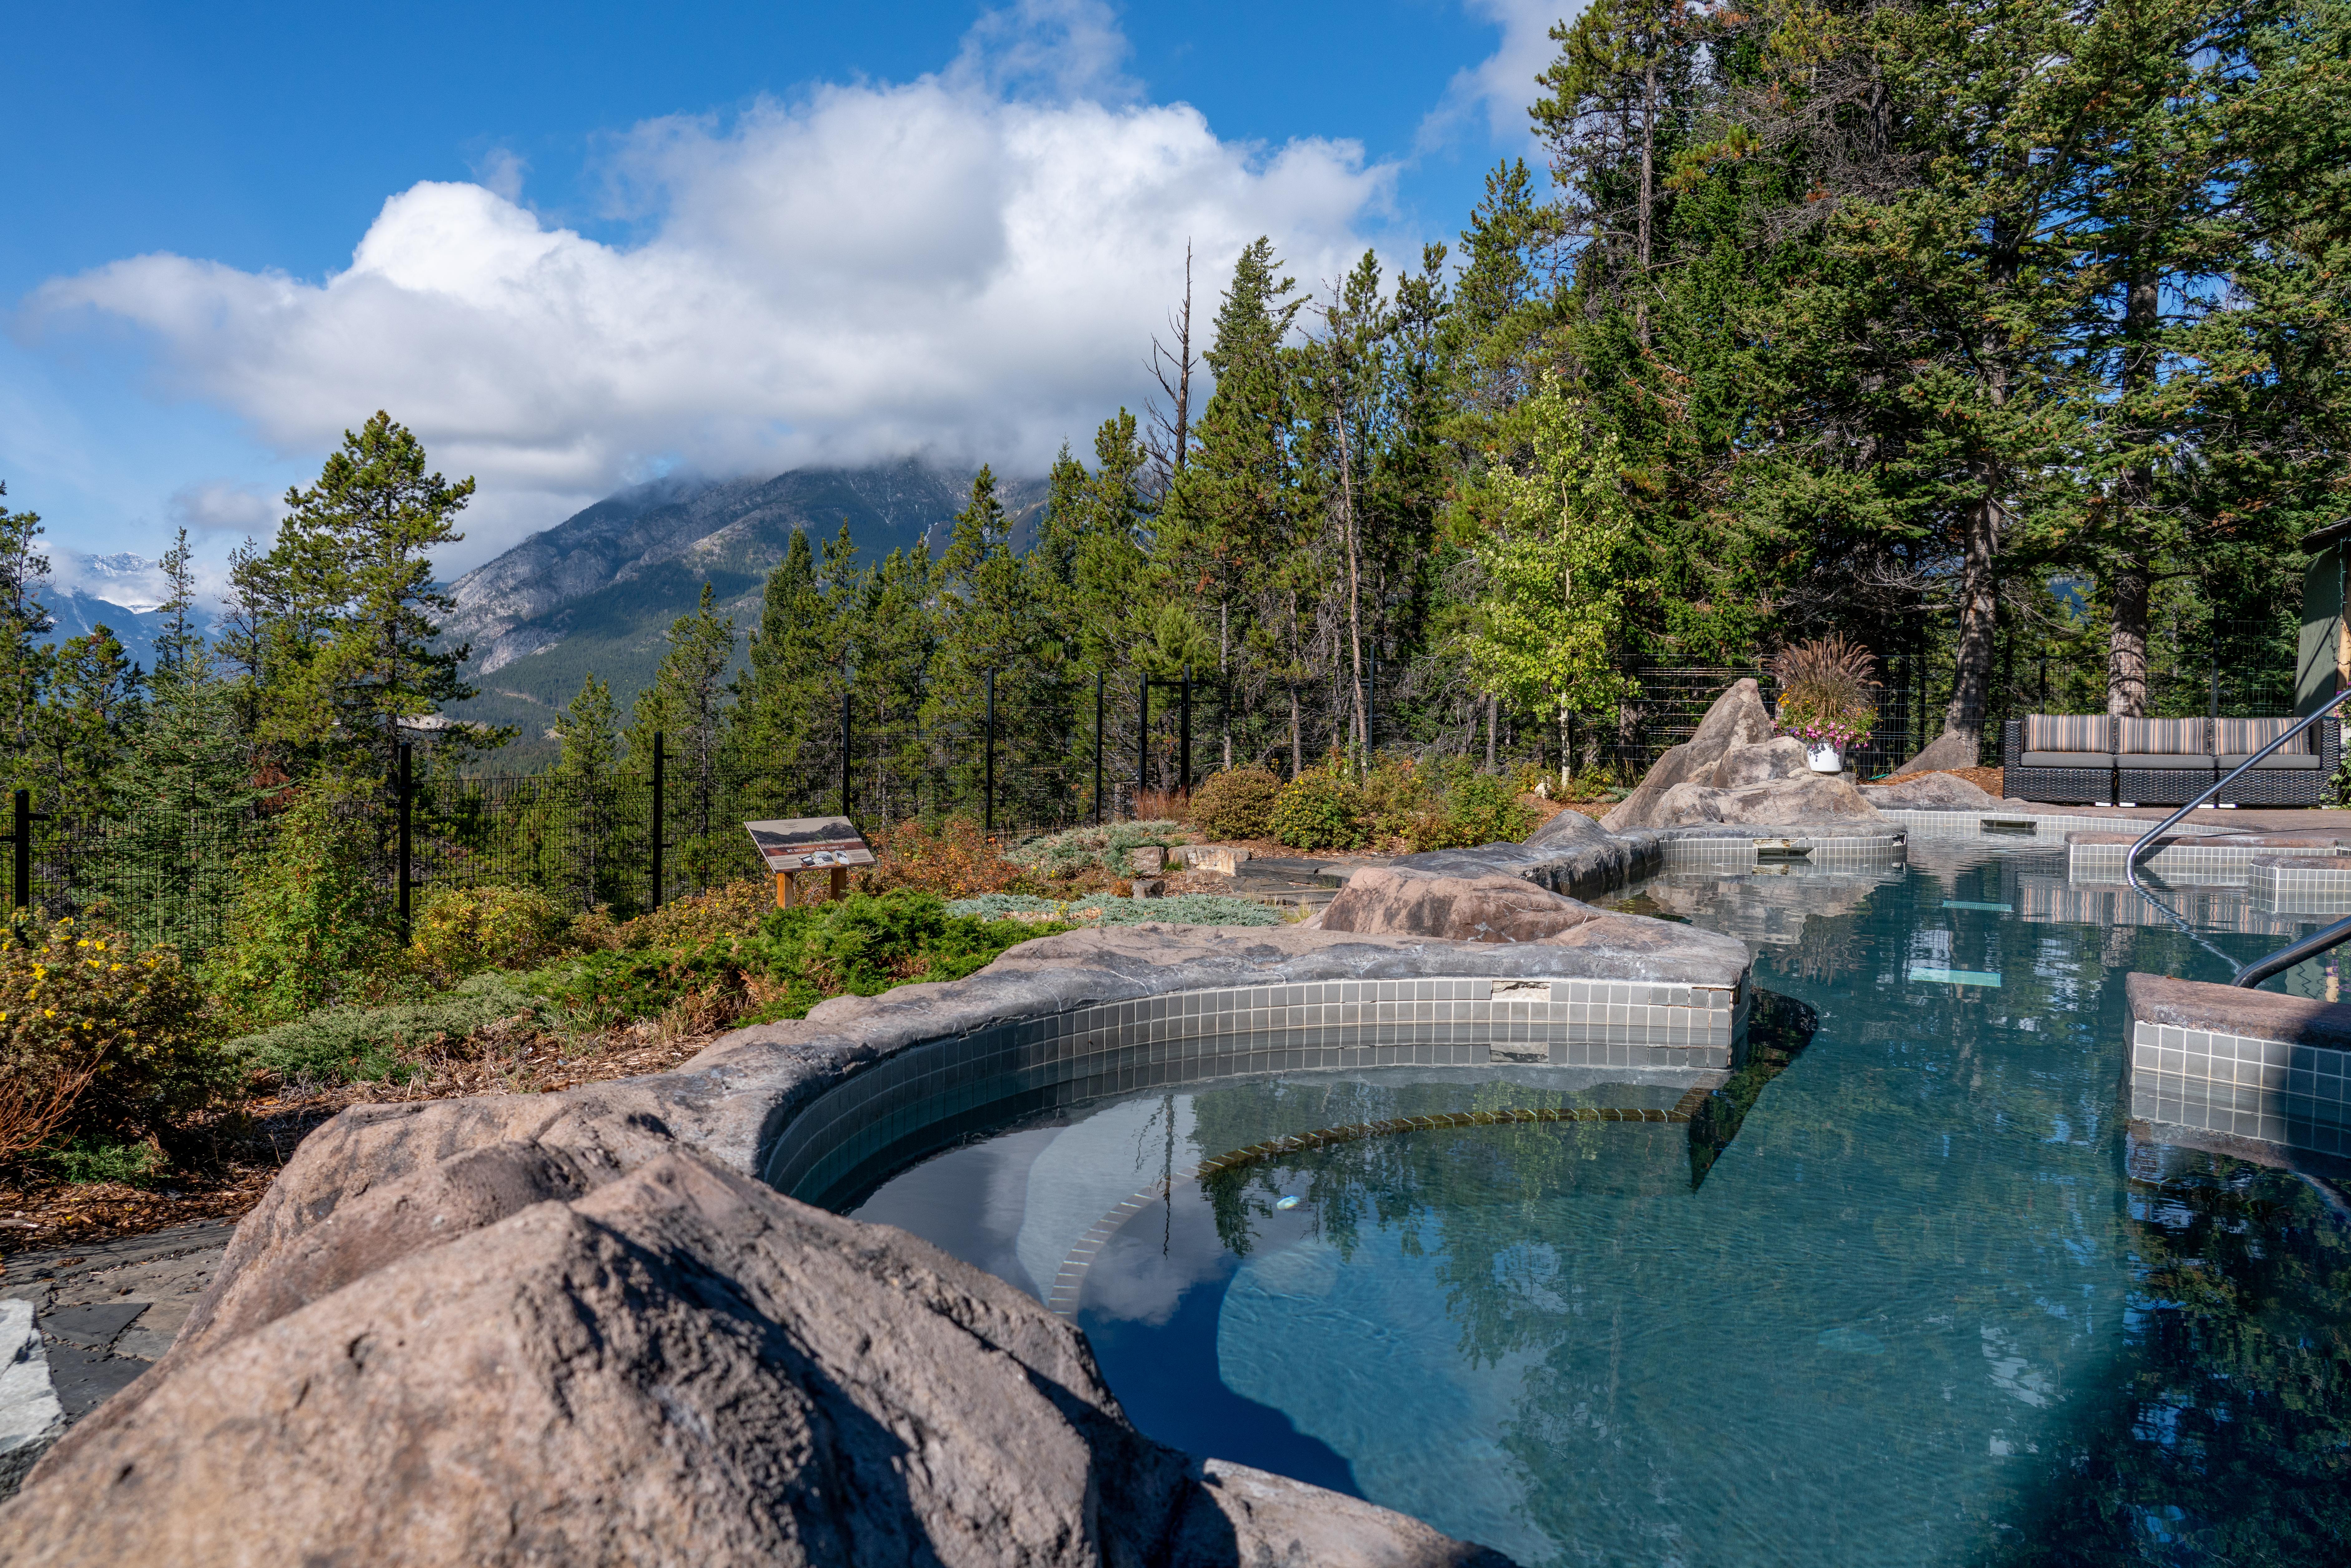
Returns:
(795, 844)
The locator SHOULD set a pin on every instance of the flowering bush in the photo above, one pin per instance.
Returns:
(463, 931)
(1828, 732)
(96, 1035)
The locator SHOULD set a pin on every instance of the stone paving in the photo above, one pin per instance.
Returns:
(101, 1314)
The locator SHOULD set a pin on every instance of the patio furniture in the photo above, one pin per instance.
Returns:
(2163, 761)
(2096, 760)
(2060, 758)
(2296, 774)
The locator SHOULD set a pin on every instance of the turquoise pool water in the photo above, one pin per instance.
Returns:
(1913, 1294)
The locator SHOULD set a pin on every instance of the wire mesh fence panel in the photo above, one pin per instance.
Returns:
(160, 877)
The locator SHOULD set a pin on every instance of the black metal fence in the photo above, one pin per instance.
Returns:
(1024, 757)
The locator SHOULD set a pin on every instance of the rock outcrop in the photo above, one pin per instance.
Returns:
(1568, 827)
(1782, 757)
(1737, 718)
(681, 1365)
(1930, 791)
(1404, 901)
(1806, 799)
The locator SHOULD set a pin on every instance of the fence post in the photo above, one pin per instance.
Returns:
(1371, 709)
(1183, 741)
(23, 840)
(988, 764)
(1143, 744)
(1098, 748)
(658, 760)
(844, 751)
(407, 808)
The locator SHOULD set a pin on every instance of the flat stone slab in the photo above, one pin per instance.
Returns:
(2237, 1010)
(2212, 840)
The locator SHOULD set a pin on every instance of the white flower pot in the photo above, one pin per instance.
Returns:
(1824, 756)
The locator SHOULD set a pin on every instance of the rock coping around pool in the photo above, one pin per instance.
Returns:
(578, 1326)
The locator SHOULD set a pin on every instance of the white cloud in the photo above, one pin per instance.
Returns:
(1502, 85)
(872, 270)
(225, 505)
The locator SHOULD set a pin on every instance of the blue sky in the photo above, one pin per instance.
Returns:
(574, 246)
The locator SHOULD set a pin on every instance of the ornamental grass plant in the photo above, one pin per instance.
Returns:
(1828, 691)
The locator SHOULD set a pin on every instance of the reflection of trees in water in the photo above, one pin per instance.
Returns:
(1969, 1135)
(2226, 1435)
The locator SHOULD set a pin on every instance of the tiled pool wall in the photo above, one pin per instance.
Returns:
(930, 1094)
(2319, 886)
(2054, 900)
(2180, 862)
(2046, 828)
(2266, 1089)
(1732, 853)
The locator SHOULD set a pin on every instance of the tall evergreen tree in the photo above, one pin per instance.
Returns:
(24, 658)
(347, 642)
(687, 706)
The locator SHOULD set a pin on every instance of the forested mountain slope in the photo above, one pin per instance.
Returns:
(597, 591)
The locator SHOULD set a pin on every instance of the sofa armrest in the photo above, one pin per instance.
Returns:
(2012, 741)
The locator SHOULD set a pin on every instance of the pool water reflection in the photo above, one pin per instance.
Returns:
(1931, 1303)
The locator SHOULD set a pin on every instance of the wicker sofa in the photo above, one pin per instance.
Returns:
(2095, 759)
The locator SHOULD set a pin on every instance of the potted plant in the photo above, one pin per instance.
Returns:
(1828, 689)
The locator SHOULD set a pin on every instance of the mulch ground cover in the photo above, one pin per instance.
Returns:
(229, 1157)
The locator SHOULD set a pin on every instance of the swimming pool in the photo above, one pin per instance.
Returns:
(1911, 1292)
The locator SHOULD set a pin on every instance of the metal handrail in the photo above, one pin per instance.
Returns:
(2285, 958)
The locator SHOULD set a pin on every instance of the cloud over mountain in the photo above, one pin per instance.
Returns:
(969, 263)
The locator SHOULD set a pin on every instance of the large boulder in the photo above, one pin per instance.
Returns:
(1807, 799)
(1737, 718)
(680, 1365)
(1943, 751)
(1569, 826)
(1782, 757)
(1407, 902)
(1930, 791)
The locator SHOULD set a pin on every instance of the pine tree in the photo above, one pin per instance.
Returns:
(780, 696)
(25, 659)
(345, 639)
(597, 838)
(687, 706)
(992, 617)
(84, 727)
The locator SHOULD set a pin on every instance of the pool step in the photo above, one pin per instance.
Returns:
(2239, 1063)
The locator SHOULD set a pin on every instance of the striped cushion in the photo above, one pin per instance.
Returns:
(2164, 737)
(2068, 732)
(2242, 735)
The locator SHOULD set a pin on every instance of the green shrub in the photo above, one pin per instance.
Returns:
(308, 920)
(463, 931)
(1478, 809)
(1236, 803)
(95, 1160)
(123, 1032)
(359, 1045)
(605, 989)
(1322, 809)
(863, 945)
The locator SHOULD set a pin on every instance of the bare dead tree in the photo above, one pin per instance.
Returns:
(1171, 426)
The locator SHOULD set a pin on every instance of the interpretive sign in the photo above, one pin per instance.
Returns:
(795, 844)
(809, 843)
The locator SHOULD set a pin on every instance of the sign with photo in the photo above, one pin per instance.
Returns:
(809, 843)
